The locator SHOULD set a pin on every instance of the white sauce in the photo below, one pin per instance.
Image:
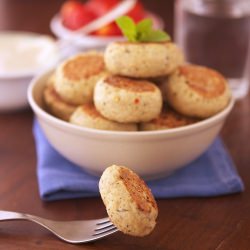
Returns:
(26, 53)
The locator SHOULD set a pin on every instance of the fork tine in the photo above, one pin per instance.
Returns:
(103, 225)
(102, 221)
(105, 229)
(103, 233)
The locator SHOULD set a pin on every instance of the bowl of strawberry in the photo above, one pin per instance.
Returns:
(75, 14)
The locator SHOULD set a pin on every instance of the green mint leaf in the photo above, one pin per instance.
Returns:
(145, 25)
(143, 28)
(128, 27)
(155, 36)
(141, 32)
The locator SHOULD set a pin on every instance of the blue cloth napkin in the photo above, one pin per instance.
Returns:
(212, 174)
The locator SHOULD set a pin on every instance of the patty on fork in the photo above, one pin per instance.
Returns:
(129, 202)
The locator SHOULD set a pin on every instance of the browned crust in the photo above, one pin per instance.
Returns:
(90, 110)
(50, 94)
(56, 105)
(171, 119)
(138, 190)
(206, 82)
(84, 66)
(130, 84)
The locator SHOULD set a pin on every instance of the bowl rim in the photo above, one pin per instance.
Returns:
(25, 73)
(40, 112)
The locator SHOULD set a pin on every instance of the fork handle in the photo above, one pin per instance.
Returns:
(8, 215)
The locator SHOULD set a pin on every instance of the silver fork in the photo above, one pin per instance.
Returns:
(78, 231)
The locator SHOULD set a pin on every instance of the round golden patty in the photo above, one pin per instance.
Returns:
(76, 77)
(129, 202)
(55, 105)
(123, 99)
(86, 115)
(197, 91)
(142, 60)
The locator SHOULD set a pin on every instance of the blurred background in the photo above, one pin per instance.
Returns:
(210, 33)
(13, 14)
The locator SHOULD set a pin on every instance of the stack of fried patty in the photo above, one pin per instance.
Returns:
(133, 86)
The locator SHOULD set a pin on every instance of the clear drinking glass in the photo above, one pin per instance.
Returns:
(215, 33)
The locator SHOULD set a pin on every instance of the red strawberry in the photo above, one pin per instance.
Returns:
(101, 7)
(108, 30)
(137, 13)
(75, 15)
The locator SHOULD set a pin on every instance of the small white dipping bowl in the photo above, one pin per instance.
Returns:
(22, 56)
(151, 154)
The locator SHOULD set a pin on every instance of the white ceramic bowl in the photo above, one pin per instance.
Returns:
(151, 154)
(18, 67)
(13, 93)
